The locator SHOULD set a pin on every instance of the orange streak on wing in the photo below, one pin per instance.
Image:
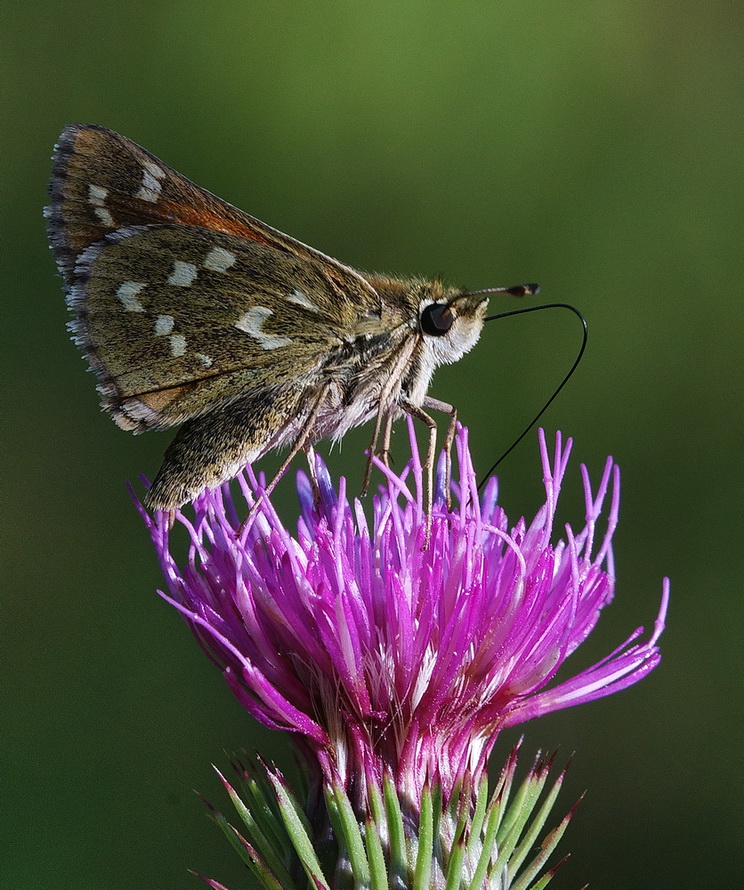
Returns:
(161, 398)
(199, 216)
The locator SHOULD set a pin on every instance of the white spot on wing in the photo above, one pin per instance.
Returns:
(177, 345)
(97, 197)
(128, 293)
(219, 260)
(251, 321)
(153, 169)
(205, 359)
(151, 188)
(298, 298)
(105, 217)
(183, 274)
(163, 325)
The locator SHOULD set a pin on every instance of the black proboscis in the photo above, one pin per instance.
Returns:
(560, 386)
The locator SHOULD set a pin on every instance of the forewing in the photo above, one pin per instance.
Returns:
(178, 321)
(172, 326)
(102, 181)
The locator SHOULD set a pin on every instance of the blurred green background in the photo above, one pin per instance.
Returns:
(593, 146)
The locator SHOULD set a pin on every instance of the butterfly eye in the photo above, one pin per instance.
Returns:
(436, 319)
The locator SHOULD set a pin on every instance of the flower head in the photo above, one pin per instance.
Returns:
(388, 657)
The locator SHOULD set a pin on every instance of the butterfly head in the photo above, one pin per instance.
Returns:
(451, 324)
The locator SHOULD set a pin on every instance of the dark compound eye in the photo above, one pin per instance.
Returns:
(436, 319)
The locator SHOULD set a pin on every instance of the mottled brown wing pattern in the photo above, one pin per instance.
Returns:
(178, 321)
(191, 311)
(102, 181)
(182, 302)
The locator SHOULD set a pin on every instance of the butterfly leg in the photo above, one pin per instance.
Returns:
(446, 408)
(431, 448)
(312, 475)
(384, 425)
(386, 409)
(302, 439)
(381, 414)
(386, 436)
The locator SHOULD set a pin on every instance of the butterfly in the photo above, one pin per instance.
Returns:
(190, 312)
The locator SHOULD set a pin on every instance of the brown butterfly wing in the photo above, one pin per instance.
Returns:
(189, 309)
(178, 321)
(120, 222)
(102, 181)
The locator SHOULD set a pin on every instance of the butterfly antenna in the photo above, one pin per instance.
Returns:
(560, 386)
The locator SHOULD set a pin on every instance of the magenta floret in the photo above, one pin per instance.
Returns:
(383, 654)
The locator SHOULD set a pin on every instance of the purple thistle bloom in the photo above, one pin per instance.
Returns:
(385, 658)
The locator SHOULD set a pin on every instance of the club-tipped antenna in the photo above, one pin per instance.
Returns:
(516, 292)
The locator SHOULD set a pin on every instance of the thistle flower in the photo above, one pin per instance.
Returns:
(391, 661)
